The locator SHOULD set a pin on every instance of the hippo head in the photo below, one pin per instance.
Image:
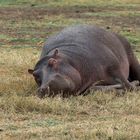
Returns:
(54, 74)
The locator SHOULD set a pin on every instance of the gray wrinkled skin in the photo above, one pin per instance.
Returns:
(82, 55)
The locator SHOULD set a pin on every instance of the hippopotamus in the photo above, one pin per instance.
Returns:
(81, 56)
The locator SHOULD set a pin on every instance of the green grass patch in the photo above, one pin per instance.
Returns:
(23, 47)
(25, 40)
(133, 38)
(125, 3)
(44, 123)
(5, 37)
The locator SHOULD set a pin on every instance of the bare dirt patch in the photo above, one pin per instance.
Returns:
(38, 13)
(11, 17)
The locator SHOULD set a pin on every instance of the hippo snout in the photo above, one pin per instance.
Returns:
(57, 85)
(42, 91)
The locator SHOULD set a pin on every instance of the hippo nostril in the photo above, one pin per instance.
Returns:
(42, 91)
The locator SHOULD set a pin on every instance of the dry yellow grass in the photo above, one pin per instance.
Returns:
(25, 116)
(14, 67)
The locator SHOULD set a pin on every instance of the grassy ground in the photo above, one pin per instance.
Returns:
(24, 26)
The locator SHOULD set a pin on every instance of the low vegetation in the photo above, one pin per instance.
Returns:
(24, 28)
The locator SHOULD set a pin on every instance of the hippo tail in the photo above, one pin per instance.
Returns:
(134, 66)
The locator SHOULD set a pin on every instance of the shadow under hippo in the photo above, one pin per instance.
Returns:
(81, 56)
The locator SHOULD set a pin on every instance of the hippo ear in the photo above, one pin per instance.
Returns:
(30, 71)
(52, 61)
(55, 53)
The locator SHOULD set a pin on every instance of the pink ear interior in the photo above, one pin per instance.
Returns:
(52, 61)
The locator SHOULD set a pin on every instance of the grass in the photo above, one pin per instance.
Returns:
(24, 28)
(128, 3)
(96, 116)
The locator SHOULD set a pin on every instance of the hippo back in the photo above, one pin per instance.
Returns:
(88, 49)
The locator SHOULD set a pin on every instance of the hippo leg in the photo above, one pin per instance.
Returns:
(134, 69)
(134, 66)
(125, 83)
(118, 77)
(111, 87)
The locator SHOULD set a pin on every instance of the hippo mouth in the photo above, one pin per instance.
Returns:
(49, 92)
(43, 91)
(53, 88)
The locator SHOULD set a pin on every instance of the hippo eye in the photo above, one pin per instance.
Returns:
(38, 80)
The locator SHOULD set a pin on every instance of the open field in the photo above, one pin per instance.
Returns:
(24, 26)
